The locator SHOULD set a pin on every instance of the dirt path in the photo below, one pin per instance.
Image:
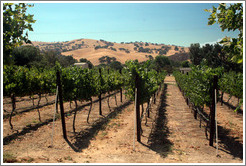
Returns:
(171, 135)
(185, 133)
(29, 120)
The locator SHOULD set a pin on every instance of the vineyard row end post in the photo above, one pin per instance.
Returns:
(137, 104)
(61, 104)
(100, 95)
(212, 110)
(121, 88)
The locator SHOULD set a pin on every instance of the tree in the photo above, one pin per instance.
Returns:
(195, 54)
(90, 65)
(150, 57)
(50, 57)
(107, 59)
(185, 64)
(230, 17)
(15, 23)
(26, 55)
(67, 60)
(160, 63)
(116, 65)
(162, 52)
(213, 56)
(176, 48)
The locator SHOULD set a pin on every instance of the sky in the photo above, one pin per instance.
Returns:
(170, 23)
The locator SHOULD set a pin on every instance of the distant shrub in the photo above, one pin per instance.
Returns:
(123, 49)
(97, 47)
(127, 51)
(162, 52)
(114, 49)
(107, 59)
(146, 50)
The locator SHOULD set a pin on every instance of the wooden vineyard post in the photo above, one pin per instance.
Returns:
(148, 108)
(120, 90)
(100, 94)
(195, 113)
(154, 98)
(61, 104)
(137, 105)
(212, 111)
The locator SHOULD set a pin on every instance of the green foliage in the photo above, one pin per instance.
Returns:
(232, 83)
(150, 57)
(149, 80)
(146, 50)
(176, 48)
(107, 59)
(213, 55)
(78, 83)
(114, 49)
(82, 84)
(26, 55)
(195, 54)
(15, 81)
(123, 49)
(90, 65)
(49, 59)
(116, 65)
(185, 64)
(197, 85)
(230, 17)
(15, 23)
(21, 81)
(160, 63)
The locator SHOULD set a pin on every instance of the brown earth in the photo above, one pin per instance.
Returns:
(170, 135)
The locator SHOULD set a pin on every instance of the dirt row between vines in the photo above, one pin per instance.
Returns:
(28, 119)
(170, 135)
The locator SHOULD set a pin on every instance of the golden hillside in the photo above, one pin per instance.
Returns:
(94, 49)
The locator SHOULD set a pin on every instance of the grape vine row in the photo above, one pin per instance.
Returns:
(79, 84)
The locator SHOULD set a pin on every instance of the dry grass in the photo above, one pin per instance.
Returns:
(87, 50)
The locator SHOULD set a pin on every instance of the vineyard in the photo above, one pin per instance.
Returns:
(176, 98)
(77, 85)
(101, 105)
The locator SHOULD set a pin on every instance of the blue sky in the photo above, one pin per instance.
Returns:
(169, 23)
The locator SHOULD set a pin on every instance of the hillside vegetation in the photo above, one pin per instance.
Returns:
(94, 49)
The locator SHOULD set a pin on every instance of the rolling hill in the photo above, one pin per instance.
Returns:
(94, 49)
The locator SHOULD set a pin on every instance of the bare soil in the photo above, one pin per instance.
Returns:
(170, 134)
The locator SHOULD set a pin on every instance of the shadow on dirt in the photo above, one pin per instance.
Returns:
(25, 130)
(229, 105)
(34, 127)
(158, 139)
(230, 144)
(83, 138)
